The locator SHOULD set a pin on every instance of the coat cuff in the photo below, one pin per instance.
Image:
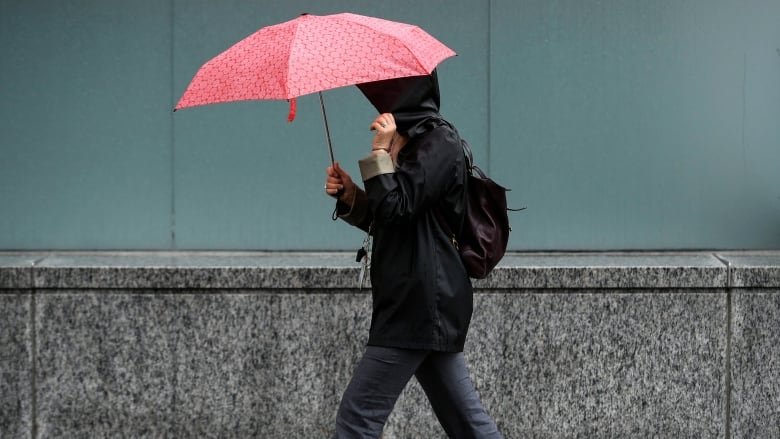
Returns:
(376, 164)
(355, 211)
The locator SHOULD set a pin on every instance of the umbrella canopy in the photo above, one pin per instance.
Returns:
(314, 53)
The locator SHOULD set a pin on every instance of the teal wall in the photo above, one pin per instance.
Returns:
(620, 124)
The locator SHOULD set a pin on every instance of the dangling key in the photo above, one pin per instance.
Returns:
(362, 276)
(364, 255)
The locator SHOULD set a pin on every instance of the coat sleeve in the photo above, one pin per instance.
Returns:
(356, 211)
(426, 169)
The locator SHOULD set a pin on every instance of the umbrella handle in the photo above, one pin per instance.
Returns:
(327, 129)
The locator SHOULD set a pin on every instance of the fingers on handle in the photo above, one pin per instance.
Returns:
(334, 170)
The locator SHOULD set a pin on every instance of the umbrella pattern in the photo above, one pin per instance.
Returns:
(314, 53)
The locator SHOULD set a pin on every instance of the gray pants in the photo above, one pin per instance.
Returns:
(383, 373)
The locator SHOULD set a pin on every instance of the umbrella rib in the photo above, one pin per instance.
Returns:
(414, 55)
(405, 45)
(290, 58)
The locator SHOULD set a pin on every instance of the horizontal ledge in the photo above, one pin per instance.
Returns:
(333, 270)
(753, 269)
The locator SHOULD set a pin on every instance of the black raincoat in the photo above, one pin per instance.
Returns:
(422, 296)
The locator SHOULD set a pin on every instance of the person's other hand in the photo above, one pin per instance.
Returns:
(385, 128)
(339, 184)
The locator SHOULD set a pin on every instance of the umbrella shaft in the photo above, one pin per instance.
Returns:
(327, 129)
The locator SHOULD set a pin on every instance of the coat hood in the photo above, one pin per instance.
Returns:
(414, 101)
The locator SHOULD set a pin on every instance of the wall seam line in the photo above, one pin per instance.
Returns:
(33, 353)
(489, 55)
(729, 329)
(172, 222)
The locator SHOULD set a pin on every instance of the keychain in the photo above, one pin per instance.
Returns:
(364, 255)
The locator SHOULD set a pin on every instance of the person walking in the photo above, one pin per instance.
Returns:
(421, 294)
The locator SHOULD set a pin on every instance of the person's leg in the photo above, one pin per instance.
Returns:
(376, 384)
(445, 380)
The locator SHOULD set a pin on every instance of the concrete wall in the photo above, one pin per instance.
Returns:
(262, 345)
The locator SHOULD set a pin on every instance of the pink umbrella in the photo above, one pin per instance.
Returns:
(314, 53)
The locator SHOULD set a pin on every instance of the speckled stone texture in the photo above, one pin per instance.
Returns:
(16, 270)
(262, 345)
(755, 370)
(15, 364)
(753, 270)
(274, 365)
(602, 364)
(607, 270)
(233, 364)
(253, 364)
(164, 270)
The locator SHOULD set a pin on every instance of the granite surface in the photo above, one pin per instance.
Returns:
(195, 365)
(753, 269)
(201, 270)
(602, 364)
(239, 364)
(16, 404)
(253, 270)
(16, 270)
(755, 370)
(219, 344)
(607, 270)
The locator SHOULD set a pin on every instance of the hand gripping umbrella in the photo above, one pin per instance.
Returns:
(314, 53)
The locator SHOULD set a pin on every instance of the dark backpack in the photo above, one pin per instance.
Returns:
(485, 232)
